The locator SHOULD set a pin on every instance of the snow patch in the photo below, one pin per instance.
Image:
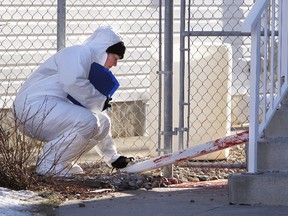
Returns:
(18, 203)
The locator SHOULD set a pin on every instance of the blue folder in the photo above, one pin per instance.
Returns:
(102, 79)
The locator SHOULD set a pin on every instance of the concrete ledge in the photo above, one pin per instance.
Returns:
(258, 189)
(272, 155)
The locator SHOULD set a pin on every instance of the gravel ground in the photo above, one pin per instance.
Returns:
(182, 172)
(99, 178)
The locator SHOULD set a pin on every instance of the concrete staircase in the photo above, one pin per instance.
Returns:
(269, 185)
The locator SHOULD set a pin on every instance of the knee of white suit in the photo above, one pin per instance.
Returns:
(104, 126)
(88, 127)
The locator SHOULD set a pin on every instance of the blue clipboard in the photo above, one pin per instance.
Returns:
(102, 79)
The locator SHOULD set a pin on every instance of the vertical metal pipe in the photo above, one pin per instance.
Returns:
(265, 71)
(188, 73)
(272, 86)
(160, 78)
(168, 82)
(181, 75)
(61, 24)
(284, 43)
(254, 99)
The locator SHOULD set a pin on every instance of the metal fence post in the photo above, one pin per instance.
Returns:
(61, 24)
(168, 82)
(181, 75)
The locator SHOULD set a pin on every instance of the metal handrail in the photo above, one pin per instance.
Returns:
(276, 88)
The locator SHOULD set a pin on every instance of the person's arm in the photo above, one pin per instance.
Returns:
(73, 67)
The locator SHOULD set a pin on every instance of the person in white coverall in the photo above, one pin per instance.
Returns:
(43, 111)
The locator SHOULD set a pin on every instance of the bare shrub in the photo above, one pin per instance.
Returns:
(18, 154)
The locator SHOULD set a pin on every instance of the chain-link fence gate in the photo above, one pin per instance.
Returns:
(213, 69)
(214, 77)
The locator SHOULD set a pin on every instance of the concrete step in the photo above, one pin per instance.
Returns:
(269, 185)
(262, 188)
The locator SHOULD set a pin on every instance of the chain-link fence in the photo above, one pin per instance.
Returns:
(29, 36)
(216, 64)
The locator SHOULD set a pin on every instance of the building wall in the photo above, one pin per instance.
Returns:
(28, 37)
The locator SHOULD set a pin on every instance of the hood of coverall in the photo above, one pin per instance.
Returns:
(100, 40)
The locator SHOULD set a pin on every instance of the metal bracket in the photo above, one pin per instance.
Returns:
(168, 133)
(174, 132)
(164, 72)
(181, 129)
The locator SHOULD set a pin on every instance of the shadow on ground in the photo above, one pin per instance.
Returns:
(201, 200)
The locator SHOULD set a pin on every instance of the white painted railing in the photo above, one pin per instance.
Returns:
(268, 24)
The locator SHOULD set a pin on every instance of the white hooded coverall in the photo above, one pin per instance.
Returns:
(44, 112)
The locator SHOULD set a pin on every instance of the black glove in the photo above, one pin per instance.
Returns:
(107, 104)
(122, 162)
